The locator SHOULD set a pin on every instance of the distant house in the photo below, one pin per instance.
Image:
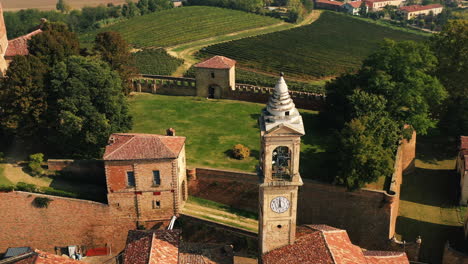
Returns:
(177, 3)
(377, 5)
(462, 169)
(354, 7)
(413, 11)
(330, 5)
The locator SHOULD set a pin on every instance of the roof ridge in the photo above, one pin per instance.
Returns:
(119, 147)
(326, 245)
(151, 246)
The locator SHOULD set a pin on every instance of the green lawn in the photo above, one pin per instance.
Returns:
(181, 25)
(212, 127)
(3, 179)
(334, 44)
(428, 204)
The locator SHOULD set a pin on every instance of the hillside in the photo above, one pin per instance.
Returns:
(332, 45)
(181, 25)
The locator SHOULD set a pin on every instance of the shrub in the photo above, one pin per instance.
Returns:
(52, 191)
(26, 187)
(41, 202)
(6, 188)
(35, 164)
(2, 156)
(240, 151)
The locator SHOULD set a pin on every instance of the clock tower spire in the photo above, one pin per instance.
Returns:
(281, 130)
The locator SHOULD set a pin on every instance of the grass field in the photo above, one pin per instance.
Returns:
(156, 61)
(334, 44)
(3, 179)
(212, 127)
(181, 25)
(428, 205)
(13, 5)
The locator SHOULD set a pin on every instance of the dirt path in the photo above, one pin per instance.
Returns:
(186, 51)
(220, 216)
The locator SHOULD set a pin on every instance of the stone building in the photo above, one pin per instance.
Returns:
(216, 77)
(3, 43)
(146, 176)
(413, 11)
(377, 5)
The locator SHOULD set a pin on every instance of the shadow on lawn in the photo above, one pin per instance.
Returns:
(431, 187)
(431, 149)
(433, 237)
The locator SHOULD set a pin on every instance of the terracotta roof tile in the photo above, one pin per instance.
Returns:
(131, 146)
(463, 142)
(217, 62)
(325, 244)
(19, 46)
(385, 257)
(355, 4)
(152, 247)
(203, 253)
(335, 3)
(414, 8)
(49, 258)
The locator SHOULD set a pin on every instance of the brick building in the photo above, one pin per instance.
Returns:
(146, 176)
(330, 5)
(377, 5)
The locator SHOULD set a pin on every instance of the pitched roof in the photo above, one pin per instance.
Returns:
(355, 4)
(152, 247)
(164, 246)
(336, 3)
(19, 45)
(133, 146)
(414, 8)
(217, 62)
(324, 244)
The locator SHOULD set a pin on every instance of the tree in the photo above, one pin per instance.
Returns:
(86, 106)
(143, 6)
(63, 6)
(362, 158)
(451, 49)
(363, 9)
(129, 9)
(112, 48)
(54, 44)
(23, 98)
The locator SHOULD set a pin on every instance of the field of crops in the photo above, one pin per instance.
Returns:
(334, 44)
(156, 61)
(14, 5)
(181, 25)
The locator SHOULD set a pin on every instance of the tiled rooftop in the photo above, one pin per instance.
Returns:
(414, 8)
(19, 46)
(217, 62)
(128, 146)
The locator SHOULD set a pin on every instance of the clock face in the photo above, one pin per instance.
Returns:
(279, 204)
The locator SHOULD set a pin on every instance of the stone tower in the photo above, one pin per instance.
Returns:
(281, 130)
(215, 77)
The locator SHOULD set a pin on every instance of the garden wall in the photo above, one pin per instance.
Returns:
(65, 222)
(369, 216)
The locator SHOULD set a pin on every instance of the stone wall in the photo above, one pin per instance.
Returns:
(64, 222)
(3, 43)
(187, 87)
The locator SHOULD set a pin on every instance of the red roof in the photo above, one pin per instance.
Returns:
(153, 246)
(355, 4)
(336, 3)
(133, 146)
(414, 8)
(324, 244)
(217, 62)
(463, 142)
(19, 46)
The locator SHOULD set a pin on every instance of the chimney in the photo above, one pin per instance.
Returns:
(170, 132)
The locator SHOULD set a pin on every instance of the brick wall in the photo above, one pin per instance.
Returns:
(65, 222)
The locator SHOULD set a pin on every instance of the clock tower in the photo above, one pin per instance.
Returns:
(281, 130)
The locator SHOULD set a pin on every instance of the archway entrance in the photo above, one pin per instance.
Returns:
(211, 92)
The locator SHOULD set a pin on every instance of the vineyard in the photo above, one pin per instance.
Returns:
(181, 25)
(156, 61)
(334, 44)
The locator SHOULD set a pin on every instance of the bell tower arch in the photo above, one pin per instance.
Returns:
(281, 128)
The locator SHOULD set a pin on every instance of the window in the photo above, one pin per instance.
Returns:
(156, 178)
(212, 75)
(286, 113)
(130, 179)
(156, 204)
(281, 163)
